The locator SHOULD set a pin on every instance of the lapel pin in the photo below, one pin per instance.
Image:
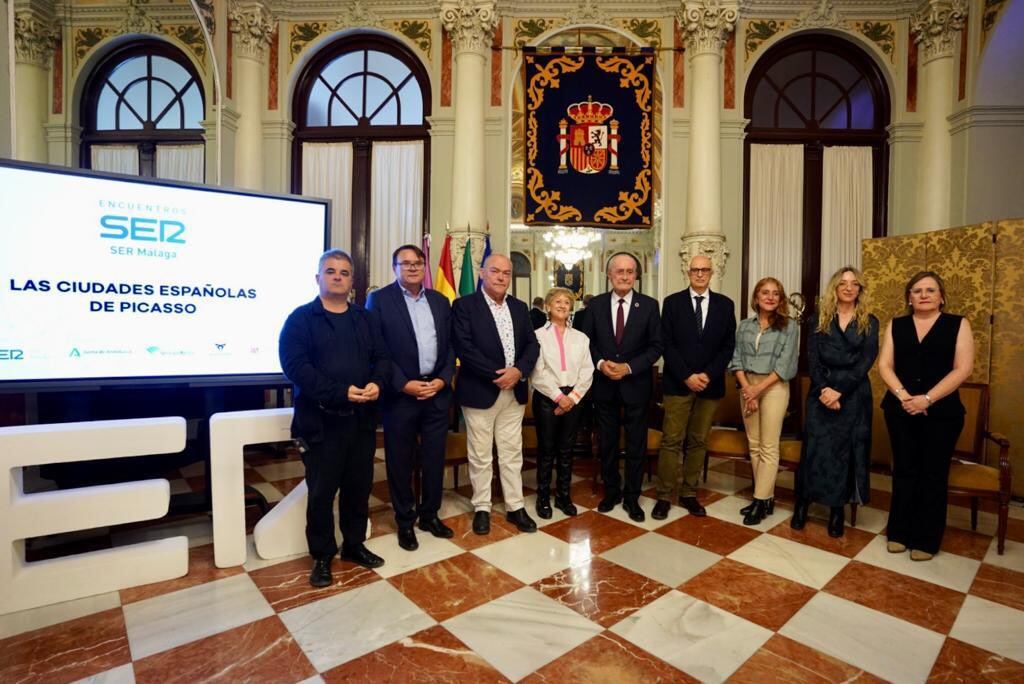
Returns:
(636, 305)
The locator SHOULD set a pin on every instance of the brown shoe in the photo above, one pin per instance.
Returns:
(918, 555)
(895, 547)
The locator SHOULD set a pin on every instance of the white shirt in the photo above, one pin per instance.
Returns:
(506, 332)
(703, 305)
(625, 308)
(565, 365)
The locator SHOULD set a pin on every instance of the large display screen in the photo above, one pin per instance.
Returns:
(105, 279)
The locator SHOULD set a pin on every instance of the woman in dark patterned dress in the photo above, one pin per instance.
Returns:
(837, 445)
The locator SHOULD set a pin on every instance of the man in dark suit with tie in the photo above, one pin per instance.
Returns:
(699, 330)
(416, 326)
(625, 341)
(494, 340)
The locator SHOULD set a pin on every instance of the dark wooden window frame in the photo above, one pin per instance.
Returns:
(149, 136)
(362, 136)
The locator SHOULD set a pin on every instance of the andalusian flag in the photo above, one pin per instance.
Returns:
(467, 283)
(445, 280)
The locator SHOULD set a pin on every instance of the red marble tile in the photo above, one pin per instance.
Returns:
(999, 585)
(261, 651)
(965, 543)
(68, 651)
(922, 603)
(879, 498)
(911, 75)
(382, 521)
(381, 491)
(758, 596)
(433, 655)
(584, 493)
(708, 533)
(252, 476)
(286, 585)
(706, 497)
(601, 590)
(815, 534)
(275, 40)
(446, 69)
(286, 486)
(201, 570)
(453, 586)
(496, 66)
(1015, 529)
(786, 661)
(196, 484)
(960, 662)
(58, 74)
(607, 659)
(729, 73)
(462, 525)
(601, 531)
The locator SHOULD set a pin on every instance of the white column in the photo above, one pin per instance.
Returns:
(34, 37)
(707, 24)
(935, 26)
(251, 27)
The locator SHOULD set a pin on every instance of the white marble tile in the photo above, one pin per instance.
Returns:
(339, 628)
(661, 558)
(556, 515)
(124, 674)
(698, 638)
(870, 519)
(945, 569)
(452, 504)
(792, 560)
(881, 644)
(522, 631)
(991, 626)
(726, 483)
(1012, 558)
(271, 493)
(380, 472)
(649, 523)
(23, 621)
(881, 481)
(163, 622)
(282, 470)
(530, 557)
(728, 509)
(315, 679)
(254, 562)
(397, 560)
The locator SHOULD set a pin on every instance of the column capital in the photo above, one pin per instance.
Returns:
(251, 25)
(471, 23)
(710, 245)
(707, 25)
(935, 25)
(34, 37)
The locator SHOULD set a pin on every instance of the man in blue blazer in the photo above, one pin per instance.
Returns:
(625, 341)
(415, 322)
(494, 340)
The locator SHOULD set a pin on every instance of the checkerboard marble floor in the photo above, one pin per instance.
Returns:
(595, 598)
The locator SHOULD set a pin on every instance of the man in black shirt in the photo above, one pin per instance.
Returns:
(334, 353)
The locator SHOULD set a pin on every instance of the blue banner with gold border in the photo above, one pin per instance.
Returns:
(589, 138)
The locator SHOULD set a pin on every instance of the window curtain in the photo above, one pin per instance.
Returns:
(396, 204)
(181, 162)
(116, 159)
(776, 215)
(846, 201)
(327, 173)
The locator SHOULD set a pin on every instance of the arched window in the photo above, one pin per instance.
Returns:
(826, 99)
(362, 139)
(142, 113)
(521, 273)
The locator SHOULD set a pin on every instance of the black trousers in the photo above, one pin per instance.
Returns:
(556, 436)
(342, 464)
(922, 447)
(635, 422)
(405, 420)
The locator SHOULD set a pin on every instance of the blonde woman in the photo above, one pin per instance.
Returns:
(561, 378)
(837, 444)
(764, 362)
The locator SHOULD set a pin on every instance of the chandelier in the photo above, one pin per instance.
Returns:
(570, 245)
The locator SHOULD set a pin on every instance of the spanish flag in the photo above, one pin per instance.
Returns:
(445, 280)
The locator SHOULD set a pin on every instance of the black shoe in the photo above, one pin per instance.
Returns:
(321, 574)
(759, 513)
(636, 514)
(748, 508)
(565, 504)
(522, 520)
(482, 522)
(836, 520)
(407, 539)
(437, 528)
(360, 555)
(608, 502)
(692, 506)
(543, 507)
(661, 509)
(799, 518)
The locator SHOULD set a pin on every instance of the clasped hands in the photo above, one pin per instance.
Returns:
(915, 405)
(361, 395)
(830, 398)
(613, 370)
(422, 389)
(750, 393)
(565, 404)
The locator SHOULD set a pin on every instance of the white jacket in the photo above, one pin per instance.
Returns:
(548, 377)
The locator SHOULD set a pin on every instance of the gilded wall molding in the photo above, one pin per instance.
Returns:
(881, 33)
(707, 25)
(251, 25)
(470, 23)
(936, 27)
(757, 31)
(358, 15)
(647, 30)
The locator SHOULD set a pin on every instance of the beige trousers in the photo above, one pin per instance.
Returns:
(501, 424)
(764, 428)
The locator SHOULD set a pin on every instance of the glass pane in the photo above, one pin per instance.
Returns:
(826, 94)
(387, 116)
(171, 72)
(340, 116)
(863, 106)
(789, 118)
(763, 111)
(390, 68)
(137, 97)
(193, 107)
(105, 109)
(128, 120)
(341, 67)
(351, 91)
(799, 93)
(789, 67)
(316, 106)
(836, 67)
(128, 71)
(838, 118)
(162, 95)
(412, 103)
(376, 92)
(172, 119)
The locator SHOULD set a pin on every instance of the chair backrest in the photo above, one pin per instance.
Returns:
(728, 413)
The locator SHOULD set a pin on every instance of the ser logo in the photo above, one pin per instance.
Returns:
(12, 354)
(142, 229)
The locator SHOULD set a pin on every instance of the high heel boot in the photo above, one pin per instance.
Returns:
(799, 518)
(836, 520)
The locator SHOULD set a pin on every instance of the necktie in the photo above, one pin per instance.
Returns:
(620, 323)
(700, 316)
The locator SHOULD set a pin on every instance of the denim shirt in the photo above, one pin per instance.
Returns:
(776, 351)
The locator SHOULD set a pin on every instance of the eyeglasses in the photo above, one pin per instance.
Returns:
(411, 265)
(700, 271)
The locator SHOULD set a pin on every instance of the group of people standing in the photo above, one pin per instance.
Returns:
(398, 355)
